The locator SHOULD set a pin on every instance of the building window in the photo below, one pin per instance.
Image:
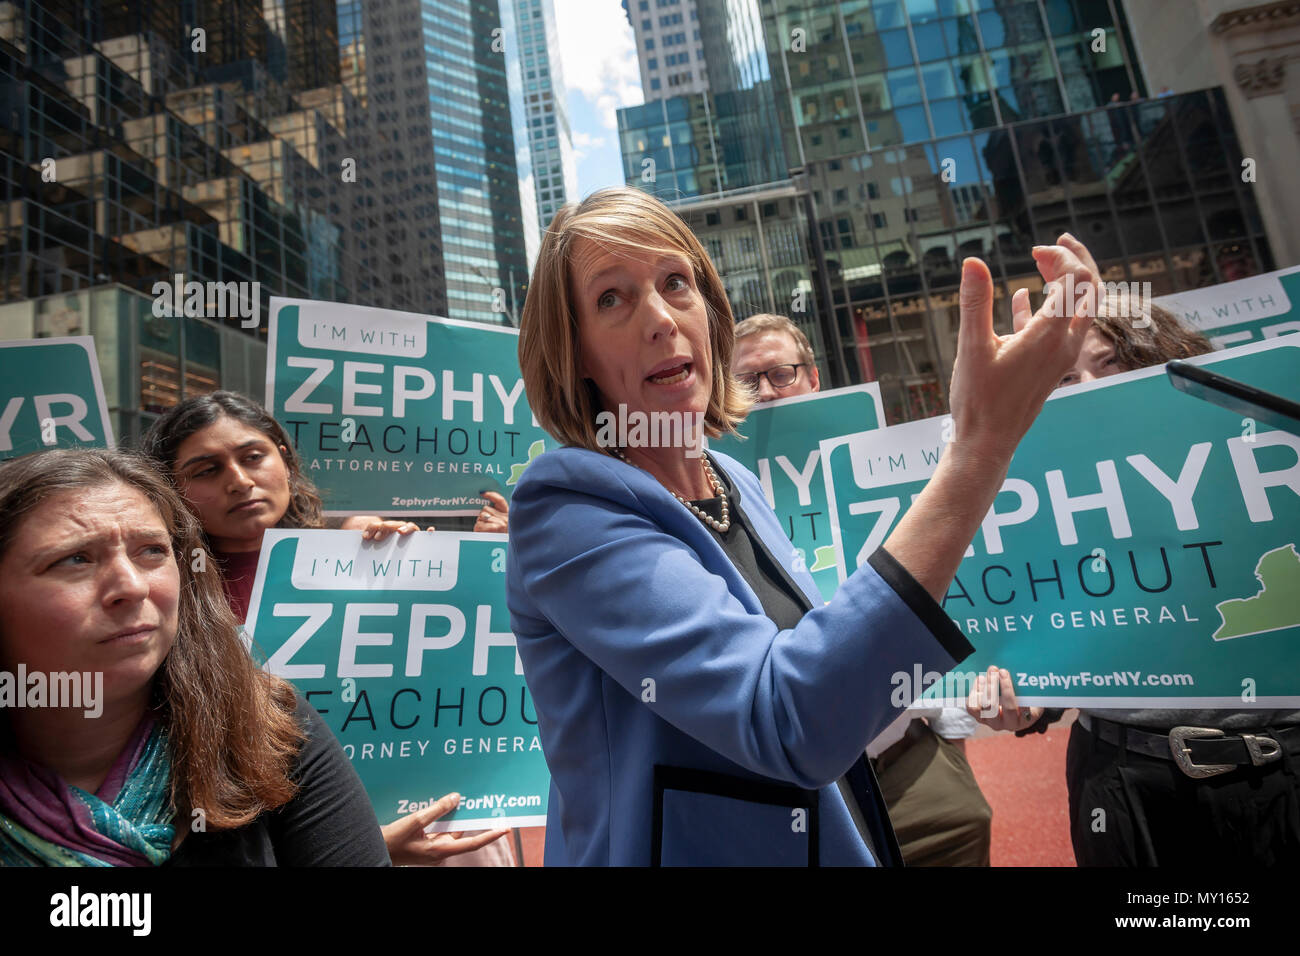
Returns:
(654, 83)
(878, 220)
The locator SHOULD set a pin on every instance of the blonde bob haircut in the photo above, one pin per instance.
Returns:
(629, 222)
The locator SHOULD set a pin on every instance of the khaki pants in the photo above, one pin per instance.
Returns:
(939, 814)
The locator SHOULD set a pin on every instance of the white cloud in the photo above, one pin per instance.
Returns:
(598, 53)
(584, 143)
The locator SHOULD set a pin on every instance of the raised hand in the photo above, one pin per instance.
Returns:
(1068, 256)
(999, 382)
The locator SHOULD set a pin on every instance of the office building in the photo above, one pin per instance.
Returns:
(541, 109)
(457, 59)
(1243, 47)
(670, 52)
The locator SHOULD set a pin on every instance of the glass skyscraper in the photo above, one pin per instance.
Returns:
(468, 105)
(542, 107)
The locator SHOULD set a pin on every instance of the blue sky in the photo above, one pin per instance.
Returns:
(598, 54)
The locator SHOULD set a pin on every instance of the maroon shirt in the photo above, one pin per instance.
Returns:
(237, 573)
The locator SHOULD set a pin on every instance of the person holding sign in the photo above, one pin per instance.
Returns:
(938, 811)
(173, 747)
(1229, 793)
(697, 703)
(238, 471)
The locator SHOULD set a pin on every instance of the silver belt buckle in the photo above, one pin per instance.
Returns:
(1259, 756)
(1183, 755)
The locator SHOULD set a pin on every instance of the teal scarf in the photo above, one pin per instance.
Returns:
(127, 822)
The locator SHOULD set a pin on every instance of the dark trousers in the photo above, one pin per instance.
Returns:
(1128, 809)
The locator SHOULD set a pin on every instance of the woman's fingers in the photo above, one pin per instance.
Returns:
(1021, 310)
(440, 808)
(468, 844)
(493, 517)
(1080, 251)
(382, 529)
(1077, 278)
(976, 303)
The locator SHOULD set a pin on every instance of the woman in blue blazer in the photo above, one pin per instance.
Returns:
(696, 701)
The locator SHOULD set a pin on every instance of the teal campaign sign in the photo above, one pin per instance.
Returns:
(1247, 310)
(780, 444)
(396, 413)
(404, 647)
(52, 396)
(1142, 551)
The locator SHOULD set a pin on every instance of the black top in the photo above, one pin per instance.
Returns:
(785, 603)
(329, 822)
(781, 602)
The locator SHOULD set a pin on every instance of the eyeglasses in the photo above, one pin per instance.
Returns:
(778, 376)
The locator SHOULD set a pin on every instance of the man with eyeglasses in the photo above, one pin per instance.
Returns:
(773, 357)
(938, 812)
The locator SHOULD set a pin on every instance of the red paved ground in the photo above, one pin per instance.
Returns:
(1022, 779)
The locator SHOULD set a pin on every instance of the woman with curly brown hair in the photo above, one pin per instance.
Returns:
(190, 755)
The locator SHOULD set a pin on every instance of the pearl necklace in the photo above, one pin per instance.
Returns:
(718, 491)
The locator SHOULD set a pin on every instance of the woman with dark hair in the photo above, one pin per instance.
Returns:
(179, 750)
(238, 471)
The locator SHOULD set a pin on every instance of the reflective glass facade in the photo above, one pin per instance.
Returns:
(468, 103)
(543, 109)
(1153, 189)
(859, 74)
(130, 151)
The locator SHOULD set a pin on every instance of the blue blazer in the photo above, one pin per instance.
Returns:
(680, 725)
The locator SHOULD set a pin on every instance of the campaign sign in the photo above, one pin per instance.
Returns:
(404, 647)
(52, 396)
(1142, 551)
(396, 413)
(1247, 310)
(780, 445)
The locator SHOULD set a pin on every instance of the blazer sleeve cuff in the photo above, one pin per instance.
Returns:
(926, 608)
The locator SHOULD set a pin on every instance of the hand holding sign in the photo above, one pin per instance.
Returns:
(375, 528)
(993, 702)
(494, 518)
(409, 845)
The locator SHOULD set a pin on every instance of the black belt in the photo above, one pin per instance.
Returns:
(1198, 751)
